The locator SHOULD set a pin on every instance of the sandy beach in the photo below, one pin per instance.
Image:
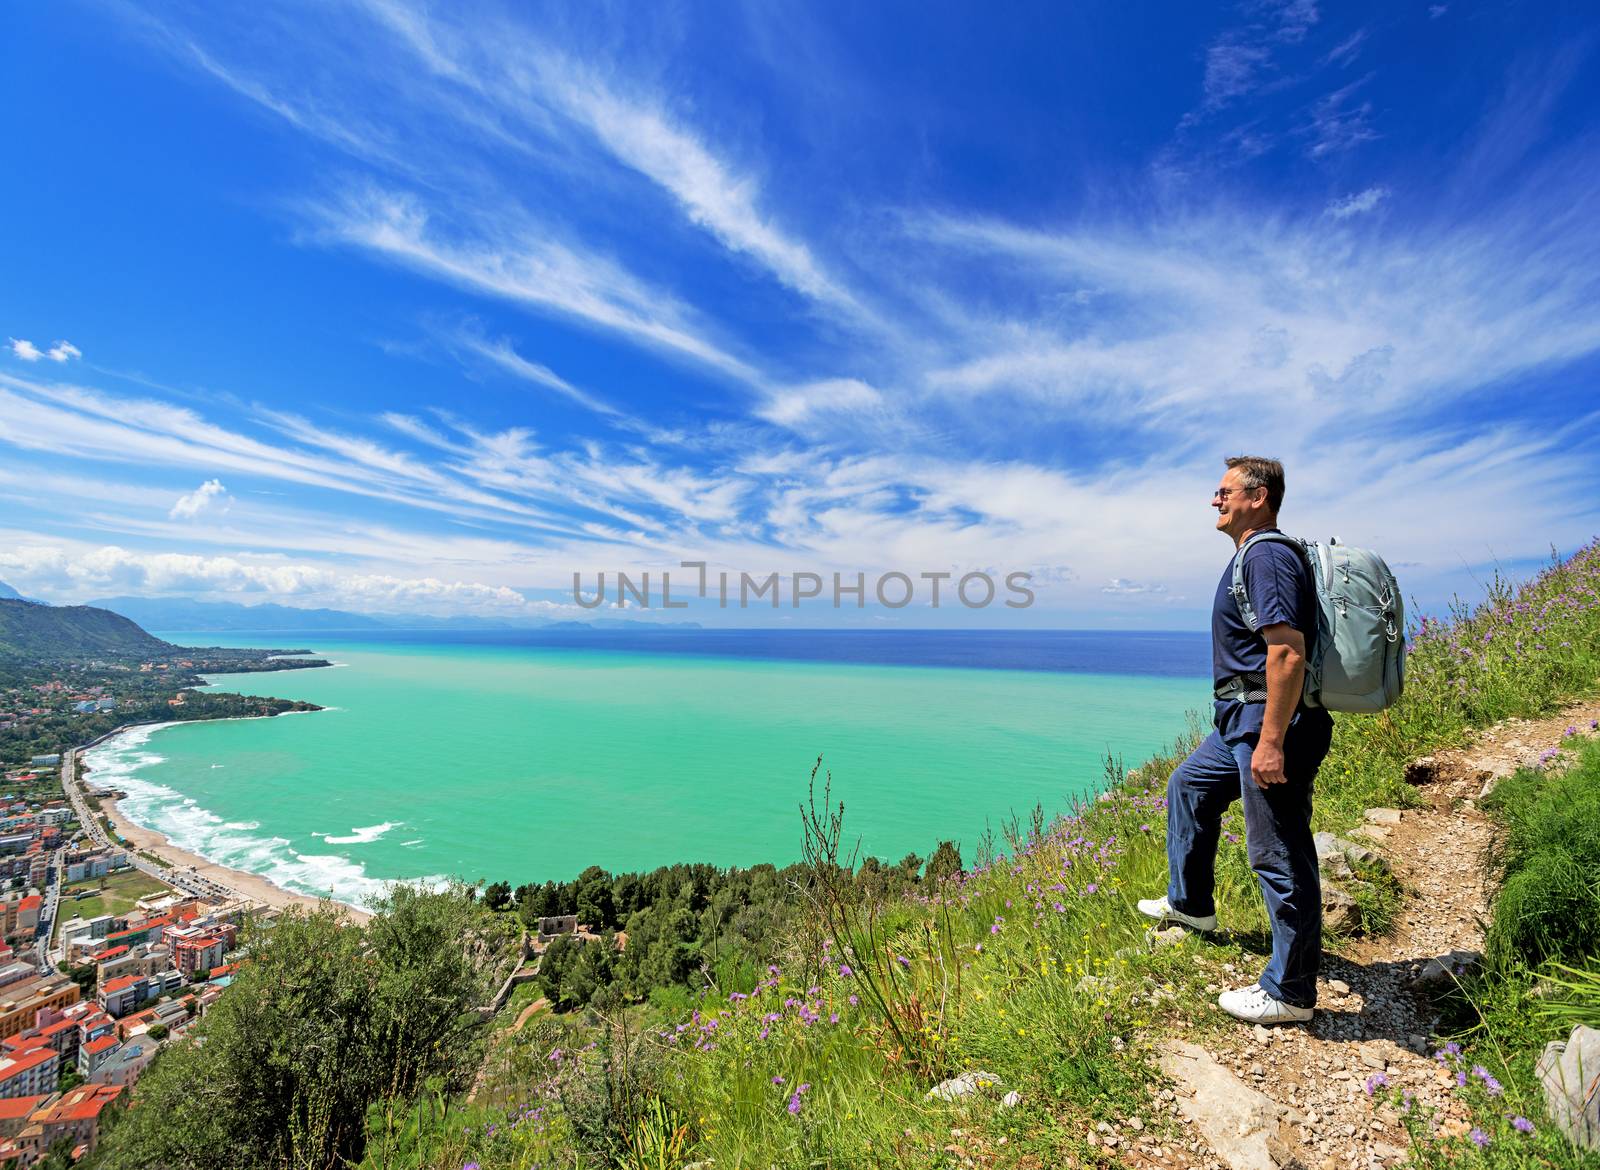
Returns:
(245, 884)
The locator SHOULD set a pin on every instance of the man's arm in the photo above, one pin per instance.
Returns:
(1286, 672)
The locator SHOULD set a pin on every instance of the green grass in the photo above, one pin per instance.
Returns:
(1032, 966)
(116, 894)
(1548, 860)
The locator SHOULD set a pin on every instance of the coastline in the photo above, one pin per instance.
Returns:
(251, 886)
(248, 885)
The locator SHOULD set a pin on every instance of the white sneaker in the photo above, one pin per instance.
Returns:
(1161, 910)
(1255, 1005)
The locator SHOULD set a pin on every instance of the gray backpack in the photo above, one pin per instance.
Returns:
(1358, 660)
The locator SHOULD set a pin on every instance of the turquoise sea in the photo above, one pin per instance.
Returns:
(526, 762)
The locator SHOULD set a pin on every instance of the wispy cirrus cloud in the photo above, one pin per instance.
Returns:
(502, 354)
(519, 262)
(1357, 204)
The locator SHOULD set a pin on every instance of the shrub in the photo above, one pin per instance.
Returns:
(1548, 907)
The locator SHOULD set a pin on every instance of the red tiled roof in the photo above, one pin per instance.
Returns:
(112, 953)
(100, 1044)
(16, 1108)
(81, 1104)
(29, 902)
(16, 1065)
(121, 983)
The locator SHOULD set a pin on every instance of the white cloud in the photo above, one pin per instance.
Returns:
(1357, 204)
(643, 136)
(26, 350)
(503, 355)
(63, 351)
(210, 498)
(1118, 586)
(794, 405)
(510, 257)
(1337, 121)
(83, 571)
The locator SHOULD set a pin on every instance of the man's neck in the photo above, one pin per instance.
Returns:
(1266, 525)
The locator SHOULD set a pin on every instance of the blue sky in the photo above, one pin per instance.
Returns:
(385, 307)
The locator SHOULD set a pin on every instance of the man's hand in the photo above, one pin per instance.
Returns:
(1266, 764)
(1286, 670)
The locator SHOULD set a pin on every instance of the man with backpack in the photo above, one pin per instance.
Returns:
(1266, 748)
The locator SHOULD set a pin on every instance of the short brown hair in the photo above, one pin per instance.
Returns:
(1256, 472)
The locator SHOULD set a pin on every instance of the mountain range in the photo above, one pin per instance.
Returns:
(182, 613)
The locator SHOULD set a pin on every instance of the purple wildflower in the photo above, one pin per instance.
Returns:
(777, 1078)
(854, 1000)
(902, 960)
(844, 971)
(1522, 1125)
(1489, 1083)
(1376, 1081)
(1091, 888)
(794, 1101)
(1571, 730)
(1479, 1138)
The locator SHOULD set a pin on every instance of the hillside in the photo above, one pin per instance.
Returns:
(35, 631)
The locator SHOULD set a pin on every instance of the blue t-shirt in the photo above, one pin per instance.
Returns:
(1281, 590)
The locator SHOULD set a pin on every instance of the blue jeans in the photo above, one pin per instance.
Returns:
(1277, 825)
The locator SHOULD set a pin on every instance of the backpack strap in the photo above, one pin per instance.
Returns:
(1241, 598)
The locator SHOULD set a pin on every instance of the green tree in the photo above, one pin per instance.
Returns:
(325, 1019)
(596, 906)
(946, 861)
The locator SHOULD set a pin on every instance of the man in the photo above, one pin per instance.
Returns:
(1265, 750)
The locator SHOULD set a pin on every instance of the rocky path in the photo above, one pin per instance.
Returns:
(1296, 1096)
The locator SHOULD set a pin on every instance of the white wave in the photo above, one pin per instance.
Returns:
(219, 765)
(413, 841)
(360, 835)
(236, 844)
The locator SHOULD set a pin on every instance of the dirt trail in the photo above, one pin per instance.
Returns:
(1372, 1018)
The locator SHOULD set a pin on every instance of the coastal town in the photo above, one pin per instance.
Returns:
(109, 950)
(107, 954)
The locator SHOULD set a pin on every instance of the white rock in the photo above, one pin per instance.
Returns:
(1236, 1120)
(963, 1086)
(1570, 1074)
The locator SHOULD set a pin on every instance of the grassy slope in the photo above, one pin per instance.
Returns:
(1030, 967)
